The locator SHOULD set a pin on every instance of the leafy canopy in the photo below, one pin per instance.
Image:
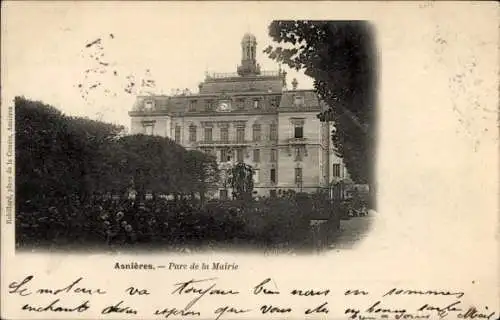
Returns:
(340, 57)
(58, 156)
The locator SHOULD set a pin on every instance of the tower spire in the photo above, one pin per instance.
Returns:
(249, 64)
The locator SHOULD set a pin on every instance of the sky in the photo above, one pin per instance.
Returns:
(46, 58)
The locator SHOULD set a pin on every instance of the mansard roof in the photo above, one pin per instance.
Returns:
(232, 82)
(308, 101)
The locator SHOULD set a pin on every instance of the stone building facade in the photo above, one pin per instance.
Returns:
(249, 116)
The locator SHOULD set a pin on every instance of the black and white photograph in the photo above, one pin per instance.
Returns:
(260, 139)
(236, 160)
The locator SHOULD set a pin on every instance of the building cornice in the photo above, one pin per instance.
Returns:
(199, 114)
(244, 79)
(217, 114)
(218, 94)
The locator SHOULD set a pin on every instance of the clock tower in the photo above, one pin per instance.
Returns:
(249, 64)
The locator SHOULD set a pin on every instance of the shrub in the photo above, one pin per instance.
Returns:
(270, 222)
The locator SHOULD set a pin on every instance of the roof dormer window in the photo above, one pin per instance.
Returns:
(256, 103)
(298, 101)
(148, 105)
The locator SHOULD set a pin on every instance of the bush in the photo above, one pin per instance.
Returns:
(268, 222)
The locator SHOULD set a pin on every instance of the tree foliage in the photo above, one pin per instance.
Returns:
(58, 156)
(241, 181)
(204, 172)
(340, 56)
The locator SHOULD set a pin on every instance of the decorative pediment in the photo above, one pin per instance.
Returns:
(223, 124)
(240, 123)
(297, 121)
(207, 124)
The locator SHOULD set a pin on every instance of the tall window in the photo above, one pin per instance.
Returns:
(273, 175)
(273, 131)
(298, 154)
(224, 155)
(240, 134)
(274, 155)
(177, 134)
(336, 170)
(256, 155)
(208, 134)
(298, 176)
(192, 105)
(149, 129)
(298, 131)
(256, 132)
(224, 134)
(239, 155)
(192, 133)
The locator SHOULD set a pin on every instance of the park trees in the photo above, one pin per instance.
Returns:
(58, 156)
(149, 164)
(202, 172)
(241, 181)
(340, 56)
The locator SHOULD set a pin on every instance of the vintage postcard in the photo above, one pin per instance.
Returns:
(250, 160)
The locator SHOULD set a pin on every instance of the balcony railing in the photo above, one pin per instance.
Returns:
(215, 75)
(219, 75)
(297, 140)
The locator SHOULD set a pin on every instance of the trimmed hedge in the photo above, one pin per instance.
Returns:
(268, 222)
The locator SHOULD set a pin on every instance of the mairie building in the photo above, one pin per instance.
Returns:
(249, 116)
